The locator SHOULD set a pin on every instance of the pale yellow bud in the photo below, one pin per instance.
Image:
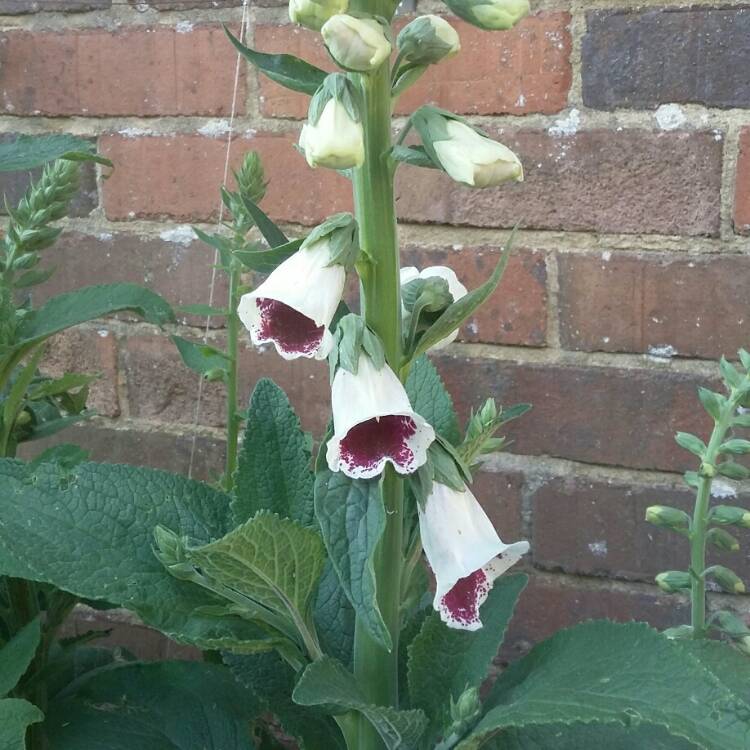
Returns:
(356, 43)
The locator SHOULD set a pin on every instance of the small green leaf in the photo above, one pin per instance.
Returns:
(691, 443)
(744, 358)
(352, 519)
(66, 455)
(273, 471)
(28, 151)
(287, 70)
(415, 156)
(57, 386)
(265, 261)
(206, 311)
(201, 358)
(730, 373)
(16, 655)
(15, 716)
(735, 445)
(271, 233)
(741, 420)
(34, 277)
(327, 682)
(712, 402)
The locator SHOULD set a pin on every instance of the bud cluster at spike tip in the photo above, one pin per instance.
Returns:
(312, 14)
(358, 44)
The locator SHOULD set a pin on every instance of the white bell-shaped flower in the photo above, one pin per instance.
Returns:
(335, 141)
(473, 159)
(455, 287)
(465, 553)
(356, 43)
(373, 424)
(293, 308)
(314, 14)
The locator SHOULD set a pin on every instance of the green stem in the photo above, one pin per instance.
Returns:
(375, 668)
(233, 332)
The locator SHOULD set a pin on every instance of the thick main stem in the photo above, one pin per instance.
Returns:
(233, 421)
(377, 669)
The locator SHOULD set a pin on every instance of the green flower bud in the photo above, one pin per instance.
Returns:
(170, 549)
(730, 515)
(707, 470)
(663, 515)
(356, 43)
(428, 39)
(673, 581)
(491, 15)
(743, 644)
(314, 14)
(723, 540)
(464, 712)
(727, 579)
(730, 624)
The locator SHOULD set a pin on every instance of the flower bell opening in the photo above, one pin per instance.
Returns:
(292, 332)
(369, 444)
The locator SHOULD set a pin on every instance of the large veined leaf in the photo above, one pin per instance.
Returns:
(17, 654)
(95, 523)
(272, 681)
(607, 673)
(273, 470)
(431, 400)
(273, 561)
(352, 519)
(327, 682)
(287, 70)
(334, 617)
(87, 303)
(159, 706)
(444, 662)
(29, 151)
(15, 716)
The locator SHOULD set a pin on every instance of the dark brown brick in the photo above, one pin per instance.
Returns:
(146, 71)
(645, 58)
(598, 415)
(21, 7)
(550, 603)
(598, 528)
(742, 189)
(179, 271)
(631, 181)
(160, 387)
(625, 302)
(500, 496)
(517, 312)
(13, 185)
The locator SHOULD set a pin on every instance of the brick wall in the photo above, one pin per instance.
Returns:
(632, 273)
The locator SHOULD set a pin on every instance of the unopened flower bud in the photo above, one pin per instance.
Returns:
(743, 644)
(707, 470)
(730, 515)
(663, 515)
(428, 39)
(673, 581)
(170, 549)
(723, 540)
(731, 624)
(464, 712)
(356, 43)
(491, 15)
(333, 136)
(314, 14)
(727, 579)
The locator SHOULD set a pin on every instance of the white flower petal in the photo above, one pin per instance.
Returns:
(335, 141)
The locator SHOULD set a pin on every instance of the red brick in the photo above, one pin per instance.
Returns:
(180, 272)
(91, 352)
(632, 181)
(500, 496)
(517, 72)
(597, 528)
(144, 71)
(625, 302)
(517, 312)
(742, 190)
(161, 388)
(179, 177)
(598, 415)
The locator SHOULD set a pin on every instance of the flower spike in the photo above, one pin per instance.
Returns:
(465, 553)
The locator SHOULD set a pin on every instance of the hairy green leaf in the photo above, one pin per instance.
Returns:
(607, 673)
(29, 151)
(444, 662)
(416, 156)
(431, 400)
(691, 443)
(327, 682)
(273, 469)
(265, 261)
(15, 716)
(352, 519)
(184, 705)
(201, 358)
(95, 524)
(17, 654)
(334, 617)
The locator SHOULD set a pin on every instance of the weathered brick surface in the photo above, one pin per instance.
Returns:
(517, 312)
(742, 190)
(621, 302)
(598, 528)
(13, 185)
(643, 58)
(500, 496)
(91, 352)
(600, 415)
(140, 71)
(160, 387)
(21, 7)
(156, 178)
(631, 181)
(178, 270)
(517, 72)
